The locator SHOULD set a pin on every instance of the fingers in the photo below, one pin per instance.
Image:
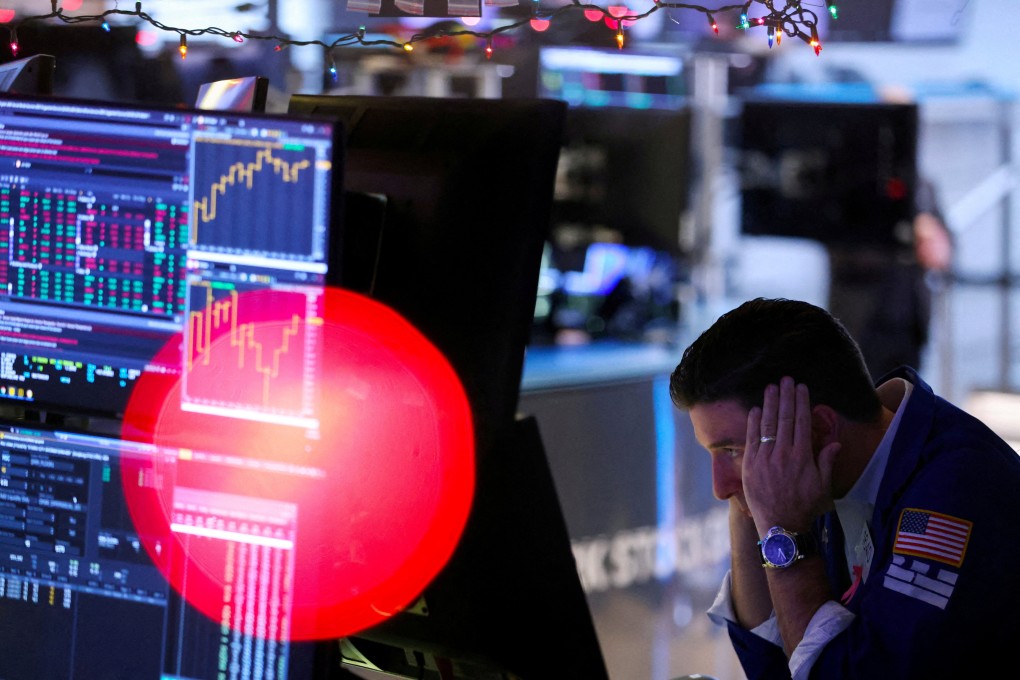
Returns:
(802, 415)
(754, 418)
(785, 479)
(770, 412)
(784, 418)
(783, 421)
(786, 411)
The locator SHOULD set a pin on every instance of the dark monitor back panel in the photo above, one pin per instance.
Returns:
(32, 75)
(246, 93)
(467, 185)
(465, 189)
(628, 170)
(509, 604)
(835, 172)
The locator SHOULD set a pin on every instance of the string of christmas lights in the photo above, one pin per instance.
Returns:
(778, 17)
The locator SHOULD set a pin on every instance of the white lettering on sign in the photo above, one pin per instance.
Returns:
(638, 555)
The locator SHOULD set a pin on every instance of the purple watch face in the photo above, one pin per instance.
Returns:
(779, 549)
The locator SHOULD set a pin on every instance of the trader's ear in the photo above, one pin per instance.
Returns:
(825, 426)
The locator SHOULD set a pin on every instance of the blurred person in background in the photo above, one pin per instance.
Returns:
(884, 296)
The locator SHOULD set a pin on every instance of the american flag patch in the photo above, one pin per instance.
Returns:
(932, 535)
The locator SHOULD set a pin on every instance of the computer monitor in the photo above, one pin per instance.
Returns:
(246, 93)
(509, 604)
(31, 75)
(467, 187)
(848, 181)
(625, 166)
(588, 76)
(125, 221)
(97, 63)
(626, 170)
(83, 598)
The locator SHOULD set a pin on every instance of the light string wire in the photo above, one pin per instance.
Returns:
(789, 17)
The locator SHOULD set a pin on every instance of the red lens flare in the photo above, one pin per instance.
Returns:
(341, 491)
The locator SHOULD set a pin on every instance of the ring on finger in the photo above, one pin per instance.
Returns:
(765, 439)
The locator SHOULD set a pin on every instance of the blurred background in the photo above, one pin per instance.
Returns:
(697, 170)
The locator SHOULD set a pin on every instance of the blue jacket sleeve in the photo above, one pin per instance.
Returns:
(941, 597)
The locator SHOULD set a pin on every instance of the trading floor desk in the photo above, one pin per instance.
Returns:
(650, 540)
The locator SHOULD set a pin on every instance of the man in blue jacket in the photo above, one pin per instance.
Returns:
(875, 531)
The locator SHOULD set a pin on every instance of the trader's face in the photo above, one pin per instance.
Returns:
(721, 427)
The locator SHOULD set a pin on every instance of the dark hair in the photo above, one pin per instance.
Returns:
(763, 340)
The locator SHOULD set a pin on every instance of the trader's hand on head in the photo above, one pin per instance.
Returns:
(785, 482)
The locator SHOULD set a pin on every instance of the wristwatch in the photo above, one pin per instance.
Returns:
(781, 548)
